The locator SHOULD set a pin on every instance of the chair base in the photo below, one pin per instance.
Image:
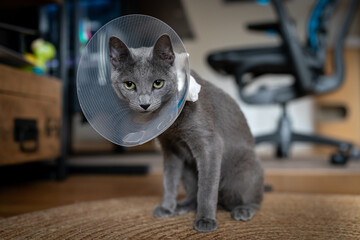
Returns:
(283, 138)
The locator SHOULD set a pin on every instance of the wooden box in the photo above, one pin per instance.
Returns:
(30, 116)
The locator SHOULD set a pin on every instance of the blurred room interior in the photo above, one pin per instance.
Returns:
(60, 159)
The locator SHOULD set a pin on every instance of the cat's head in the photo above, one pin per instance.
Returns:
(144, 77)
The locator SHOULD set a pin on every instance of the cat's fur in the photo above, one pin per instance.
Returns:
(209, 146)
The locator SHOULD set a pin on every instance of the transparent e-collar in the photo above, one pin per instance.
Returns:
(105, 111)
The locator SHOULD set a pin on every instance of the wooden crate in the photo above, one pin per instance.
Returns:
(343, 105)
(25, 97)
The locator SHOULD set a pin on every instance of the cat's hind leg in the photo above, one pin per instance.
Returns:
(249, 202)
(244, 212)
(189, 180)
(242, 188)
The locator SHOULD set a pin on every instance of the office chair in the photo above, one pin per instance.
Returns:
(304, 62)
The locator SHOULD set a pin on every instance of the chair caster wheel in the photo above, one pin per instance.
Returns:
(355, 153)
(281, 153)
(339, 158)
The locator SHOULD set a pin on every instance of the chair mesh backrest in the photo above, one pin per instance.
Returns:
(318, 23)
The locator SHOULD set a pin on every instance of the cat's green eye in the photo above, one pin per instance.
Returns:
(129, 85)
(158, 83)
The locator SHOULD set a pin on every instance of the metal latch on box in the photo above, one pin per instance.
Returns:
(25, 131)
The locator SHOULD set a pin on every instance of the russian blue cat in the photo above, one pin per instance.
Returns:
(209, 146)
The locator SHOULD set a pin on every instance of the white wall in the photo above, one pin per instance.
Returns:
(219, 25)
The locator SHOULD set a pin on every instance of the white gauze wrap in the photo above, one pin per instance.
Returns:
(194, 87)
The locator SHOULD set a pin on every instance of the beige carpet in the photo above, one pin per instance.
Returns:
(282, 216)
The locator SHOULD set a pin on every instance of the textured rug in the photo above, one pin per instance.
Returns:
(282, 216)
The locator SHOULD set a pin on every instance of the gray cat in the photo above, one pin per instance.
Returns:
(209, 146)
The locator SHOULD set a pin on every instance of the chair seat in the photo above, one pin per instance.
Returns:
(255, 60)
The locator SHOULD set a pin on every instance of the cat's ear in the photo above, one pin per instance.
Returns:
(163, 49)
(119, 52)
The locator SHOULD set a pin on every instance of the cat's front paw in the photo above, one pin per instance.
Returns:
(161, 212)
(205, 225)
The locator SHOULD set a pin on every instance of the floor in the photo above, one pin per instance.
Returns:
(302, 174)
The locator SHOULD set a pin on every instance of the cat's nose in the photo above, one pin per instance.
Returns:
(145, 106)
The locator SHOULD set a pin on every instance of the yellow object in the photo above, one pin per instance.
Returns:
(30, 58)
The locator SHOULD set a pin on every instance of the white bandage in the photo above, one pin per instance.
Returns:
(194, 87)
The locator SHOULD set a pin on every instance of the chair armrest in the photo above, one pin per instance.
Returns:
(264, 27)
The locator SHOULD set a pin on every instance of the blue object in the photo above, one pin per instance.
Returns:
(38, 71)
(314, 23)
(176, 108)
(271, 32)
(263, 2)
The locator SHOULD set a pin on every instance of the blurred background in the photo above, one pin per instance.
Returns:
(45, 137)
